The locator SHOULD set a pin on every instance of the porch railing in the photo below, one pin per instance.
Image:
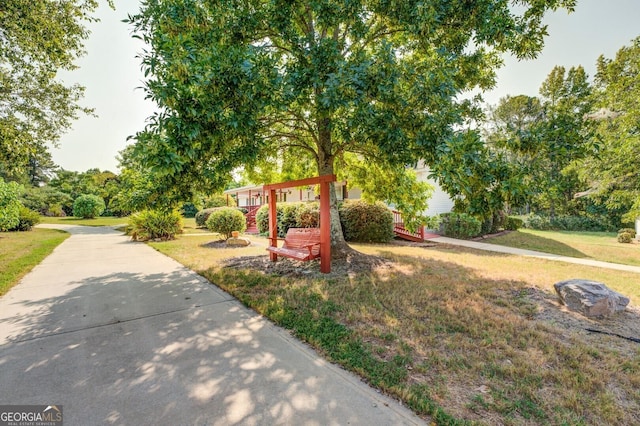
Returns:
(402, 232)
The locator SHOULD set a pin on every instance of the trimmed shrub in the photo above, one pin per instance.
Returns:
(364, 222)
(624, 237)
(628, 231)
(537, 222)
(460, 225)
(308, 215)
(513, 223)
(203, 215)
(154, 225)
(9, 205)
(26, 220)
(289, 215)
(262, 219)
(88, 206)
(225, 220)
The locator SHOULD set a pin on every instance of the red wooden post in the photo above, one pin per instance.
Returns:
(325, 229)
(273, 224)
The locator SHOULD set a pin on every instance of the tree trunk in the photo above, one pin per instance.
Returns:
(339, 247)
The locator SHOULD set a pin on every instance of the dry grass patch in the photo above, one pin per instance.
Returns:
(461, 335)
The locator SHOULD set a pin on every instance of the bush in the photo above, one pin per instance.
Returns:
(570, 223)
(203, 215)
(513, 223)
(289, 215)
(364, 222)
(537, 222)
(26, 220)
(624, 237)
(224, 220)
(9, 205)
(189, 210)
(262, 219)
(154, 225)
(460, 225)
(628, 231)
(88, 206)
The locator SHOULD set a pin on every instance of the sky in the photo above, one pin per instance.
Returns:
(112, 75)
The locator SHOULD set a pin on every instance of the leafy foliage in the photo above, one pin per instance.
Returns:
(154, 224)
(46, 200)
(39, 38)
(225, 220)
(624, 237)
(629, 231)
(613, 174)
(513, 223)
(542, 138)
(569, 223)
(9, 205)
(88, 206)
(26, 220)
(311, 81)
(366, 222)
(460, 225)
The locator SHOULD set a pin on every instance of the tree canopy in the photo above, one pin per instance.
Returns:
(38, 38)
(613, 173)
(373, 84)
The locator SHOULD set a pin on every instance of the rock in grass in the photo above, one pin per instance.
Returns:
(238, 242)
(590, 298)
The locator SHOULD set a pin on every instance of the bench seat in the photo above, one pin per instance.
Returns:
(300, 244)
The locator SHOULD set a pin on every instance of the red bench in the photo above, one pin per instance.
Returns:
(300, 244)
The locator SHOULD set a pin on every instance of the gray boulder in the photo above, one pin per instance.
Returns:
(590, 298)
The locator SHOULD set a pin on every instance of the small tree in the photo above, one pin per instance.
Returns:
(9, 205)
(88, 206)
(226, 220)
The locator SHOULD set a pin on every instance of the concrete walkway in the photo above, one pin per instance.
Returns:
(120, 334)
(531, 253)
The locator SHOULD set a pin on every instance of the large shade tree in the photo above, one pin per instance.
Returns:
(38, 38)
(613, 174)
(373, 81)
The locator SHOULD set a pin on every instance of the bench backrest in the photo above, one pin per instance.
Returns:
(302, 237)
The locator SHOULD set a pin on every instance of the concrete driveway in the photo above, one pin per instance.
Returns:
(119, 334)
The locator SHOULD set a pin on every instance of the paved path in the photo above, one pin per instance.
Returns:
(120, 334)
(531, 253)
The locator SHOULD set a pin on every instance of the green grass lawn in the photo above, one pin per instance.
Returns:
(602, 246)
(457, 334)
(21, 251)
(98, 221)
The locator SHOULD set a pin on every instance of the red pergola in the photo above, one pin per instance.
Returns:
(325, 216)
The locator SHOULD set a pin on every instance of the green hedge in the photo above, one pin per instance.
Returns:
(203, 215)
(365, 222)
(569, 223)
(225, 220)
(460, 225)
(289, 215)
(360, 221)
(154, 225)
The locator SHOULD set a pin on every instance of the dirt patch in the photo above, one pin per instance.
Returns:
(626, 323)
(353, 264)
